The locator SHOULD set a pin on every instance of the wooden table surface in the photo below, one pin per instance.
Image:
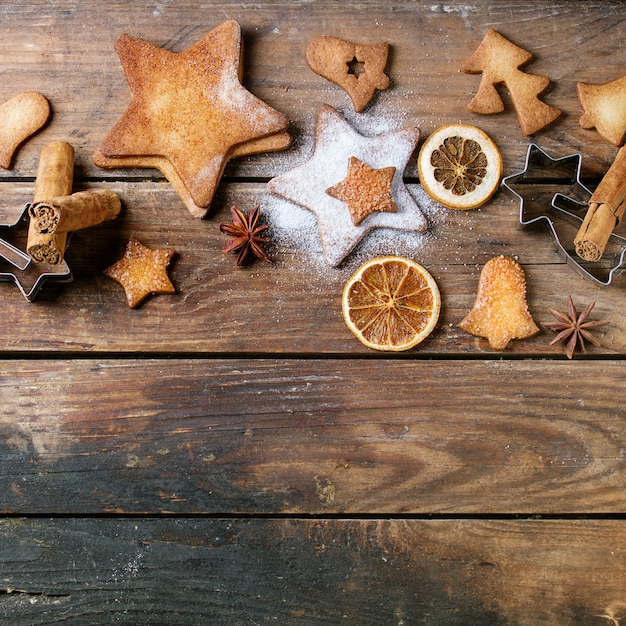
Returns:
(231, 454)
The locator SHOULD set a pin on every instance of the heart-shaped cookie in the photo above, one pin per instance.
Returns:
(20, 117)
(604, 108)
(331, 58)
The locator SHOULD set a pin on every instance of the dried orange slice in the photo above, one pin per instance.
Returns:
(391, 303)
(459, 166)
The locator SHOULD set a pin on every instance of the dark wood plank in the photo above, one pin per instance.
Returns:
(312, 437)
(453, 572)
(221, 470)
(65, 50)
(292, 305)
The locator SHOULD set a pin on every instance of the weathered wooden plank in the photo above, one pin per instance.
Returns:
(453, 572)
(65, 50)
(292, 305)
(314, 437)
(362, 438)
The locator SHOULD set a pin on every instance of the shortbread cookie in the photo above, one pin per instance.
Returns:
(189, 108)
(365, 190)
(498, 60)
(273, 143)
(336, 143)
(604, 109)
(330, 57)
(500, 312)
(142, 272)
(20, 117)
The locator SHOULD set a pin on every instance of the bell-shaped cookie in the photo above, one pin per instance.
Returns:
(500, 312)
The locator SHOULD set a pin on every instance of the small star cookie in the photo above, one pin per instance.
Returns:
(142, 272)
(365, 190)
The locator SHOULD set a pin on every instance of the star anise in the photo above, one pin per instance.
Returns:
(245, 235)
(573, 328)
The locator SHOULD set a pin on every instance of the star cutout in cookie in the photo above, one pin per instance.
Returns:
(189, 107)
(365, 190)
(142, 272)
(337, 142)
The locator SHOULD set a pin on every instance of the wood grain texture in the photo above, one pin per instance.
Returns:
(457, 573)
(68, 55)
(312, 437)
(231, 454)
(292, 305)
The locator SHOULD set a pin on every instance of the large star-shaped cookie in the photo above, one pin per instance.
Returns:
(190, 109)
(337, 142)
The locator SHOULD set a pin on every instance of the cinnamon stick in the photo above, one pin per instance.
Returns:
(75, 212)
(606, 208)
(55, 175)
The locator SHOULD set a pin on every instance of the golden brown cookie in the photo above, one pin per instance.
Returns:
(20, 117)
(365, 190)
(500, 312)
(142, 272)
(190, 109)
(604, 109)
(273, 143)
(498, 60)
(330, 58)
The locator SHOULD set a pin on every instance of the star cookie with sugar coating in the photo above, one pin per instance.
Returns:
(365, 190)
(336, 144)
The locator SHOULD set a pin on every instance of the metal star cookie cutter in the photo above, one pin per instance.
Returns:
(551, 194)
(28, 275)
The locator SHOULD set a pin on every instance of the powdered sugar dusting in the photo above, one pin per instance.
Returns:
(336, 143)
(295, 231)
(294, 228)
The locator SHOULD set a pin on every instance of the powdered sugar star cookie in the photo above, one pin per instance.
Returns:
(337, 142)
(365, 190)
